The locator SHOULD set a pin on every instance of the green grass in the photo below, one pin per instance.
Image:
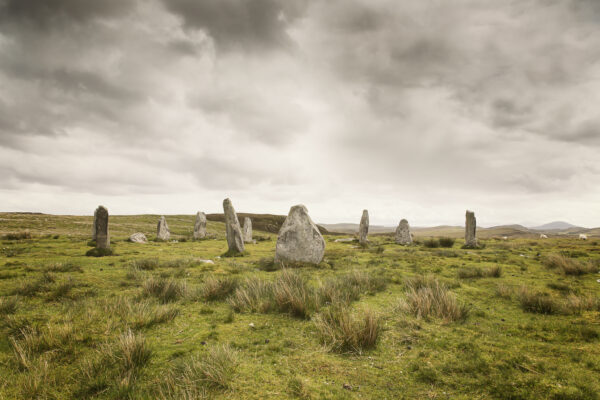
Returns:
(516, 319)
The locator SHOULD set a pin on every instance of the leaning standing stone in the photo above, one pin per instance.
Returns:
(299, 239)
(363, 229)
(403, 233)
(235, 240)
(101, 224)
(247, 230)
(162, 229)
(200, 226)
(470, 230)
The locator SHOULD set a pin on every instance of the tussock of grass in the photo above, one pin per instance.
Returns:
(98, 252)
(145, 315)
(217, 288)
(130, 352)
(537, 302)
(341, 331)
(63, 267)
(8, 305)
(18, 236)
(293, 295)
(61, 290)
(348, 288)
(569, 266)
(31, 342)
(255, 295)
(145, 264)
(165, 290)
(268, 264)
(431, 243)
(32, 288)
(194, 376)
(446, 242)
(477, 272)
(426, 298)
(504, 291)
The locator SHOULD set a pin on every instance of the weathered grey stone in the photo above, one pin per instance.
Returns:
(403, 235)
(162, 229)
(299, 239)
(247, 230)
(470, 230)
(102, 236)
(200, 226)
(363, 229)
(138, 237)
(94, 225)
(235, 240)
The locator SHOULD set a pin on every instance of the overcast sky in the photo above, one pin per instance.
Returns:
(414, 109)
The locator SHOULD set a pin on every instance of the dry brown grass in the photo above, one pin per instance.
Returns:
(569, 266)
(427, 298)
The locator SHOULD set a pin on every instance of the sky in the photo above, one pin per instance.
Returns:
(416, 109)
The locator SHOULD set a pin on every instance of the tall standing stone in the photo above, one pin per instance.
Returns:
(94, 225)
(299, 239)
(247, 230)
(235, 240)
(403, 233)
(363, 229)
(470, 230)
(200, 226)
(162, 229)
(101, 231)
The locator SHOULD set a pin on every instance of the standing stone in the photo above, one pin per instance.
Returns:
(235, 240)
(101, 224)
(94, 225)
(363, 229)
(299, 239)
(247, 230)
(200, 226)
(403, 235)
(470, 230)
(162, 229)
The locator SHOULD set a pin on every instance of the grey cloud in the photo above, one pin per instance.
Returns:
(241, 24)
(50, 13)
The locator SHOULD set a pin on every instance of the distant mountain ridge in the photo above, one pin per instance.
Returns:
(555, 225)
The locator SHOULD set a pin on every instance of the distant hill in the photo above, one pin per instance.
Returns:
(261, 222)
(353, 228)
(556, 225)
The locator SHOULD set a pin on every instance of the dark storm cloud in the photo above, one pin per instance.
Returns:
(241, 24)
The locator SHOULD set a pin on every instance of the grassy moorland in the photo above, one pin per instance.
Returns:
(517, 319)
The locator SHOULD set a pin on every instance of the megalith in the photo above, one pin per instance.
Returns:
(299, 239)
(200, 226)
(363, 229)
(162, 229)
(470, 230)
(403, 235)
(94, 225)
(235, 240)
(101, 225)
(247, 230)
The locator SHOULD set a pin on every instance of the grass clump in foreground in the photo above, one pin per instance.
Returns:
(427, 298)
(343, 331)
(194, 376)
(569, 266)
(217, 288)
(99, 252)
(8, 305)
(166, 290)
(477, 272)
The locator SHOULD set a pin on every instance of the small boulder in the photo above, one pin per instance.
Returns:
(138, 237)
